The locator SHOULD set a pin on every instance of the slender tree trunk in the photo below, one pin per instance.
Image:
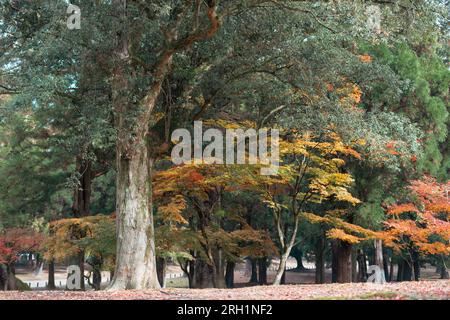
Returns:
(354, 266)
(51, 275)
(81, 256)
(334, 261)
(378, 258)
(161, 270)
(391, 271)
(416, 265)
(82, 194)
(219, 269)
(254, 274)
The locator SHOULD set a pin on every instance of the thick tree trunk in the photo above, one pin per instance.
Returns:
(136, 261)
(229, 275)
(51, 275)
(262, 271)
(297, 254)
(204, 275)
(344, 262)
(319, 253)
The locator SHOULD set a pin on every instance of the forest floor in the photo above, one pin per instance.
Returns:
(434, 289)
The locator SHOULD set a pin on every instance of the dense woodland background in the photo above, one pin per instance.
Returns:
(86, 118)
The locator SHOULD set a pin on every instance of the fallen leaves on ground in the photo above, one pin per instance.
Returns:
(391, 291)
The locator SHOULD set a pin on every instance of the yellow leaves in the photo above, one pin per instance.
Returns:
(172, 211)
(228, 124)
(339, 234)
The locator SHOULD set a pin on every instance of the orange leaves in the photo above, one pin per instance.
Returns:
(402, 208)
(339, 234)
(172, 211)
(67, 236)
(428, 228)
(365, 58)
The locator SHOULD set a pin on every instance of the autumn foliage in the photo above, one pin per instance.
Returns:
(422, 223)
(15, 241)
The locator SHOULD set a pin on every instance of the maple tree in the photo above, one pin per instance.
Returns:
(420, 225)
(14, 242)
(92, 237)
(191, 206)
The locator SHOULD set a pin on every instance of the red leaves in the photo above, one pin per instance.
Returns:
(17, 240)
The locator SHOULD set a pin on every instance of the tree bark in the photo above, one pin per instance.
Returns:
(51, 275)
(229, 275)
(254, 274)
(136, 261)
(297, 254)
(262, 271)
(344, 262)
(82, 194)
(319, 253)
(334, 261)
(161, 270)
(362, 266)
(11, 277)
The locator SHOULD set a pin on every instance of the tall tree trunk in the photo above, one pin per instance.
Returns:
(229, 275)
(319, 253)
(51, 275)
(136, 261)
(362, 266)
(344, 262)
